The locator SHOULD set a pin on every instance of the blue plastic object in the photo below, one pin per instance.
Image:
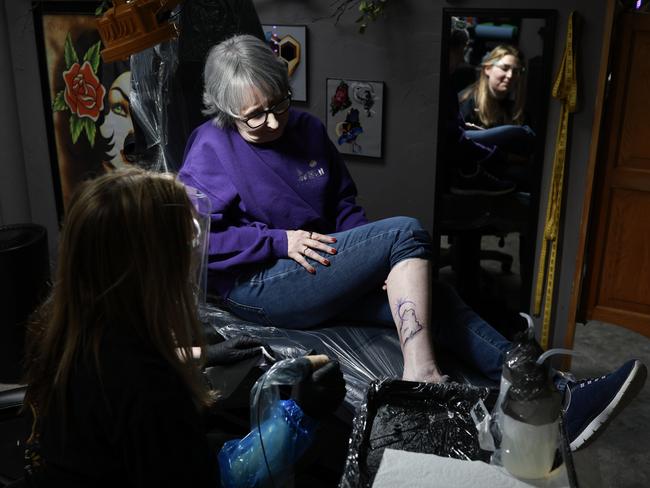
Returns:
(286, 433)
(280, 432)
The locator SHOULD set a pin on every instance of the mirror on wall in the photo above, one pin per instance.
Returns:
(495, 89)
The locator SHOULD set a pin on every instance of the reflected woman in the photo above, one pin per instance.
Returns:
(496, 100)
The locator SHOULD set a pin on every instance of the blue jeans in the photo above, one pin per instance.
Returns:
(283, 294)
(518, 139)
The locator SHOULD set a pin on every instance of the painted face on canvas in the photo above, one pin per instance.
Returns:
(118, 124)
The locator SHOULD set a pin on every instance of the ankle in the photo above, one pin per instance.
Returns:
(427, 372)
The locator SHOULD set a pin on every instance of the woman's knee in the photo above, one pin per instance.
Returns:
(411, 240)
(408, 224)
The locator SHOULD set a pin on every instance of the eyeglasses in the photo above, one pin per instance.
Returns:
(515, 70)
(258, 119)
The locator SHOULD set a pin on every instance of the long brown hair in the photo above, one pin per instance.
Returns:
(124, 261)
(489, 109)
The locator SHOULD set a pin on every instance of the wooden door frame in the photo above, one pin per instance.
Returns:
(603, 72)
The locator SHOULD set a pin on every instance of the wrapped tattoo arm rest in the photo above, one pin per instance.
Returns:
(280, 432)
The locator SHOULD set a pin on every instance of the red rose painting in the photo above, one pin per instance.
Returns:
(89, 100)
(84, 94)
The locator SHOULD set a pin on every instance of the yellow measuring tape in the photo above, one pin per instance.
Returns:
(565, 89)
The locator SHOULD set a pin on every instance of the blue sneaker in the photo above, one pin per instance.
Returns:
(590, 404)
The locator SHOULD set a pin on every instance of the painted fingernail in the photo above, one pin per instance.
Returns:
(326, 262)
(312, 271)
(333, 239)
(332, 251)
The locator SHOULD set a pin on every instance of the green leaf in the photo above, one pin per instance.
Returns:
(92, 55)
(69, 53)
(91, 129)
(76, 126)
(58, 105)
(102, 7)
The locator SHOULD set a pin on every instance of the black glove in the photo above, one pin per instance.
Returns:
(234, 350)
(322, 392)
(211, 335)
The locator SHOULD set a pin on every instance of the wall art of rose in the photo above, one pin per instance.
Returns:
(91, 122)
(84, 94)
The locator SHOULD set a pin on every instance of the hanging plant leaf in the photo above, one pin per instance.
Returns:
(102, 7)
(69, 54)
(370, 10)
(76, 126)
(92, 55)
(58, 105)
(91, 129)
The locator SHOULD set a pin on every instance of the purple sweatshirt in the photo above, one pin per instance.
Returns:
(258, 191)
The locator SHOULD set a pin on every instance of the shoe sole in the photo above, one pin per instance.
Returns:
(629, 390)
(456, 191)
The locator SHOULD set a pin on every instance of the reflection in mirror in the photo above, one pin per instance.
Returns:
(494, 92)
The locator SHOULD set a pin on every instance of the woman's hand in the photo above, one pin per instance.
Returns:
(470, 126)
(234, 350)
(302, 245)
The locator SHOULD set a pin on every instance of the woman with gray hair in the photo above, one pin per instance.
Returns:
(232, 69)
(289, 246)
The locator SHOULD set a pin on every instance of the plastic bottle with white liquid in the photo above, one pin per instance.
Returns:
(528, 409)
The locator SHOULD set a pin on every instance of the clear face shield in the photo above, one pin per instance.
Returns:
(201, 222)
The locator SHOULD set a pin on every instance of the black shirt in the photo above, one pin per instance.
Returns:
(469, 112)
(137, 426)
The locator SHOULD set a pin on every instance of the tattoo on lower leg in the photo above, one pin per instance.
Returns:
(409, 325)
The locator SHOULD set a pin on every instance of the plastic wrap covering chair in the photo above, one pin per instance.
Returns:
(24, 273)
(366, 353)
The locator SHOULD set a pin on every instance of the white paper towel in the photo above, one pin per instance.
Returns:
(417, 470)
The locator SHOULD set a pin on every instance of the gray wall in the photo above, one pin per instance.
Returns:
(25, 177)
(403, 50)
(14, 202)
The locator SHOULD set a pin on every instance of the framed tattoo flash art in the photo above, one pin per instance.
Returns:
(290, 43)
(86, 101)
(354, 116)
